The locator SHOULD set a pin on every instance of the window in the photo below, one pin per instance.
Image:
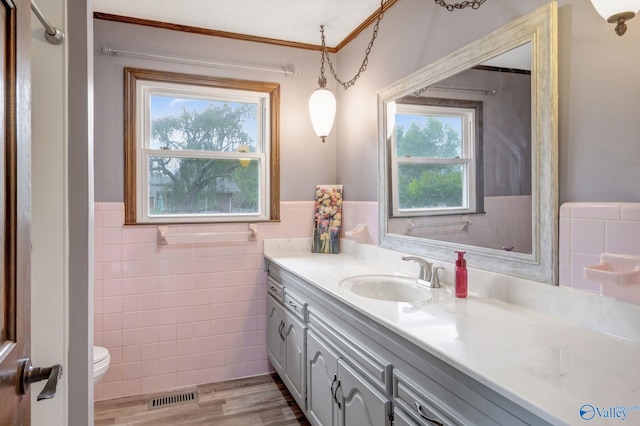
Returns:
(436, 157)
(200, 149)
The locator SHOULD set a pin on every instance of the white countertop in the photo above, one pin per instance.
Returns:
(528, 342)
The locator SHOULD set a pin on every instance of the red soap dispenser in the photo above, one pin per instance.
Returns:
(461, 275)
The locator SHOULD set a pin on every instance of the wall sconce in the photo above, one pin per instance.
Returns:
(617, 12)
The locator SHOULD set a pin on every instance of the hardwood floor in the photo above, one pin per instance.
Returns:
(254, 401)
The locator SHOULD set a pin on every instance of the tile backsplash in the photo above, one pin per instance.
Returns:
(589, 229)
(188, 312)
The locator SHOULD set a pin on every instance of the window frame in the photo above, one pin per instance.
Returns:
(136, 121)
(472, 155)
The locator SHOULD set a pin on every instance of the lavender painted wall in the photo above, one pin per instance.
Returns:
(598, 95)
(304, 160)
(598, 88)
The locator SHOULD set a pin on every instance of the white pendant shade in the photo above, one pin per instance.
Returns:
(609, 8)
(322, 109)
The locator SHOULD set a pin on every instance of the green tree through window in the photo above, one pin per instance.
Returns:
(193, 185)
(429, 185)
(436, 157)
(200, 148)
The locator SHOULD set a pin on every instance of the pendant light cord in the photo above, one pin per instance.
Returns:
(322, 81)
(363, 67)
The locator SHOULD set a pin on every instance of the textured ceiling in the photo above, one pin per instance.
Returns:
(289, 20)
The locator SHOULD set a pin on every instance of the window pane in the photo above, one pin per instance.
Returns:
(181, 123)
(430, 186)
(428, 136)
(203, 186)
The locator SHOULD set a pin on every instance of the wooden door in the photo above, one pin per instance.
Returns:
(15, 195)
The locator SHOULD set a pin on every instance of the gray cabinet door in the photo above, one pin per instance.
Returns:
(294, 358)
(275, 335)
(322, 367)
(361, 404)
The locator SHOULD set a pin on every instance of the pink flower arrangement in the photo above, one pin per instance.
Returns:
(328, 219)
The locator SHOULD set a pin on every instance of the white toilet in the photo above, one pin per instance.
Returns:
(101, 361)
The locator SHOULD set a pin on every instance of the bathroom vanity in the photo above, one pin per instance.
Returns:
(513, 352)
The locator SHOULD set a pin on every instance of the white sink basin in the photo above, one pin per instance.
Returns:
(392, 288)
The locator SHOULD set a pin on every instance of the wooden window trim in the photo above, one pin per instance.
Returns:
(132, 75)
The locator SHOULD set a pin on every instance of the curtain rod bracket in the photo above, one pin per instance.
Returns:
(51, 33)
(56, 38)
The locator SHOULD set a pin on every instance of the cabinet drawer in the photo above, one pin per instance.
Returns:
(422, 405)
(450, 400)
(275, 288)
(294, 303)
(400, 418)
(360, 355)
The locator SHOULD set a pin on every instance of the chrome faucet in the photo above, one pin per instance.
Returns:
(435, 280)
(425, 274)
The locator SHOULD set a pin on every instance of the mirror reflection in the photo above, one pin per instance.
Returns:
(461, 156)
(468, 153)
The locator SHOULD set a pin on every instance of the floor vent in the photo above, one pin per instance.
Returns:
(179, 398)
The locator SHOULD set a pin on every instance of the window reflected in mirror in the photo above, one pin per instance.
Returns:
(512, 73)
(436, 150)
(460, 157)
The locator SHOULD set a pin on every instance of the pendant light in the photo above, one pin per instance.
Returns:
(618, 12)
(322, 103)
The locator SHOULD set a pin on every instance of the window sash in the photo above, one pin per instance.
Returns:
(141, 84)
(467, 160)
(148, 89)
(143, 206)
(145, 90)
